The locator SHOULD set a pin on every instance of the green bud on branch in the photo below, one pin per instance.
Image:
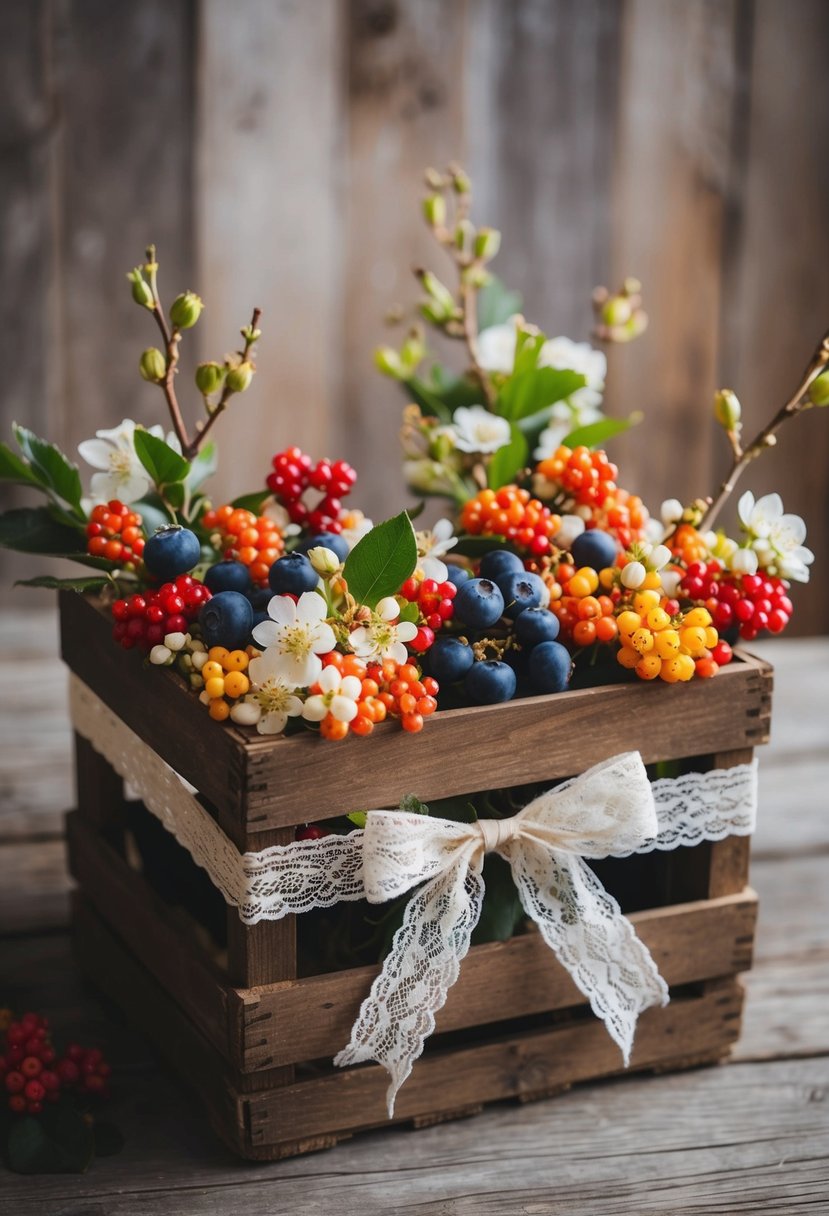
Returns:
(185, 310)
(141, 292)
(460, 180)
(727, 409)
(152, 365)
(238, 378)
(434, 210)
(387, 361)
(819, 390)
(442, 302)
(209, 378)
(487, 243)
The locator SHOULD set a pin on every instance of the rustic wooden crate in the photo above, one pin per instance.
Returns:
(256, 1040)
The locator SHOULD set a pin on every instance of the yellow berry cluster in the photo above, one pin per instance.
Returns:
(224, 680)
(655, 644)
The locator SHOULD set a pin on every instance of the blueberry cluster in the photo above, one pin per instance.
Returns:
(508, 599)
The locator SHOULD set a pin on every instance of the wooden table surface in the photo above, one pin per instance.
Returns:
(750, 1136)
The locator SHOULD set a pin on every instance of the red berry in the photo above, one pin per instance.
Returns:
(423, 639)
(49, 1080)
(31, 1066)
(34, 1091)
(68, 1071)
(17, 1103)
(15, 1082)
(310, 832)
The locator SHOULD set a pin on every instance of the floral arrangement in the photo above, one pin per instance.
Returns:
(286, 609)
(47, 1124)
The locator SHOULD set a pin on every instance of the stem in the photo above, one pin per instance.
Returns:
(469, 303)
(203, 430)
(794, 405)
(171, 341)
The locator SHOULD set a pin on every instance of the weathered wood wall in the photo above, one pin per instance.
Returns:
(273, 150)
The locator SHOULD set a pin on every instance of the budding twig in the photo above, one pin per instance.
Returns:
(202, 429)
(767, 437)
(171, 340)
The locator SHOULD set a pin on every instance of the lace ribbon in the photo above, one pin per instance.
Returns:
(612, 810)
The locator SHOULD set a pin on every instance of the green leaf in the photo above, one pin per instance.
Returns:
(64, 584)
(59, 1142)
(174, 494)
(528, 392)
(12, 468)
(380, 563)
(410, 612)
(358, 818)
(204, 465)
(51, 466)
(477, 546)
(496, 303)
(252, 502)
(428, 401)
(453, 390)
(153, 512)
(527, 350)
(501, 912)
(164, 465)
(508, 460)
(33, 530)
(411, 804)
(596, 433)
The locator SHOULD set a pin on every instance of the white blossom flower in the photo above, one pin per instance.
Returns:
(381, 638)
(273, 695)
(583, 406)
(338, 696)
(496, 347)
(432, 545)
(743, 561)
(571, 527)
(122, 474)
(475, 429)
(295, 636)
(355, 526)
(775, 537)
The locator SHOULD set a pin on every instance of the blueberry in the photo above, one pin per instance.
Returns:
(595, 548)
(172, 551)
(292, 574)
(458, 574)
(521, 591)
(536, 625)
(260, 597)
(549, 667)
(228, 576)
(226, 620)
(329, 540)
(479, 603)
(450, 659)
(489, 682)
(499, 562)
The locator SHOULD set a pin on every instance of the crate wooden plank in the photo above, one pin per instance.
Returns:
(308, 1114)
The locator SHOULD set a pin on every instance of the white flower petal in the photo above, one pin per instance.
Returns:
(769, 507)
(343, 709)
(272, 723)
(121, 435)
(315, 708)
(95, 452)
(388, 608)
(330, 679)
(406, 631)
(282, 609)
(433, 567)
(351, 687)
(265, 634)
(745, 506)
(398, 652)
(293, 707)
(298, 672)
(311, 607)
(323, 639)
(442, 532)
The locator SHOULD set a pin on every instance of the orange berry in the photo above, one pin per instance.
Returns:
(706, 668)
(386, 699)
(248, 555)
(236, 684)
(218, 709)
(259, 571)
(398, 687)
(236, 660)
(370, 688)
(378, 709)
(588, 607)
(649, 667)
(584, 633)
(353, 666)
(412, 722)
(606, 629)
(431, 686)
(426, 706)
(333, 728)
(362, 725)
(407, 703)
(333, 659)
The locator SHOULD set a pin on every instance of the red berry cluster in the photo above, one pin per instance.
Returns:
(754, 602)
(32, 1074)
(294, 472)
(144, 620)
(115, 532)
(434, 601)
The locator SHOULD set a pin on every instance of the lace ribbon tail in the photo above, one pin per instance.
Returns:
(584, 927)
(398, 1015)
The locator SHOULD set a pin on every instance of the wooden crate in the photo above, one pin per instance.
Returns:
(256, 1040)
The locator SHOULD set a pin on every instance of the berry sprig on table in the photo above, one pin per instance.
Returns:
(32, 1073)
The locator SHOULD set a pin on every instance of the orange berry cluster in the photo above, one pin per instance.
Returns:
(513, 513)
(389, 690)
(585, 477)
(584, 617)
(254, 540)
(674, 648)
(623, 514)
(687, 544)
(225, 679)
(115, 532)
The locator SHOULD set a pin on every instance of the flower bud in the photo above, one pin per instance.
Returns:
(633, 575)
(413, 350)
(487, 243)
(727, 409)
(743, 561)
(152, 365)
(246, 713)
(185, 310)
(671, 511)
(434, 180)
(161, 656)
(443, 302)
(200, 657)
(238, 378)
(460, 180)
(324, 560)
(434, 210)
(616, 311)
(819, 390)
(209, 378)
(175, 641)
(387, 361)
(141, 292)
(659, 556)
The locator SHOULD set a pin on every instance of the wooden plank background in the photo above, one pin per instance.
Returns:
(273, 149)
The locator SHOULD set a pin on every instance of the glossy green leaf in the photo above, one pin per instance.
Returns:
(507, 461)
(51, 467)
(12, 468)
(381, 562)
(204, 465)
(412, 805)
(93, 583)
(477, 546)
(164, 465)
(528, 392)
(596, 433)
(429, 402)
(252, 502)
(33, 530)
(496, 303)
(453, 390)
